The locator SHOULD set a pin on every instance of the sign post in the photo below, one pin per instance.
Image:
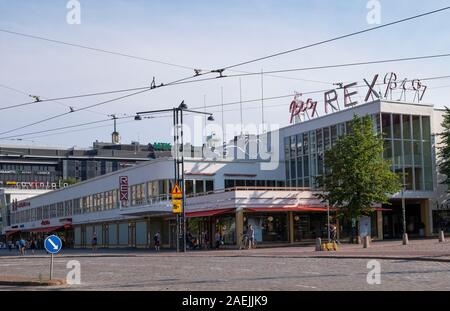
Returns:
(177, 208)
(53, 245)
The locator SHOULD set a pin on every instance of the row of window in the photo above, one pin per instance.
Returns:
(150, 192)
(407, 145)
(231, 183)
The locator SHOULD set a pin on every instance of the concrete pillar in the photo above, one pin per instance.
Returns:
(405, 239)
(239, 225)
(366, 241)
(441, 236)
(318, 244)
(291, 226)
(380, 225)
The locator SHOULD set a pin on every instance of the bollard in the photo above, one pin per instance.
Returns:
(441, 236)
(366, 241)
(318, 244)
(405, 239)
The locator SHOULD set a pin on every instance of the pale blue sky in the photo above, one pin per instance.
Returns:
(205, 34)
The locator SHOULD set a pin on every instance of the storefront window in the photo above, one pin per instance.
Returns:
(227, 227)
(309, 226)
(270, 227)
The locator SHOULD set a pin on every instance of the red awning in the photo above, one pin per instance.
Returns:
(210, 212)
(47, 229)
(11, 232)
(287, 209)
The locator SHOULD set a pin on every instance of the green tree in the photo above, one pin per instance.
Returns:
(356, 175)
(444, 148)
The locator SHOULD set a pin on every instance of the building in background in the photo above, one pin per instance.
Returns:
(33, 167)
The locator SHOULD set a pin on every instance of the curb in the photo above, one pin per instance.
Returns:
(30, 282)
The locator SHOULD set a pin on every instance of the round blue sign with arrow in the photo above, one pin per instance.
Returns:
(53, 244)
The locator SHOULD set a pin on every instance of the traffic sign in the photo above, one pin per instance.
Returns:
(177, 206)
(177, 199)
(177, 193)
(53, 244)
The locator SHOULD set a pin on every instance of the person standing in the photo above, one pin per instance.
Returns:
(250, 236)
(157, 239)
(94, 242)
(32, 246)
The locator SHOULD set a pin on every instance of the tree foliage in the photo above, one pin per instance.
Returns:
(356, 175)
(444, 148)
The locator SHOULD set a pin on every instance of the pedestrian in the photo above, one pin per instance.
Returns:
(157, 239)
(22, 246)
(94, 242)
(32, 246)
(250, 236)
(218, 238)
(333, 233)
(10, 245)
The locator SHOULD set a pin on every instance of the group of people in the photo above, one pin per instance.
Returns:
(21, 245)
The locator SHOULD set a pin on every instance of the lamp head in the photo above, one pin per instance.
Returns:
(182, 105)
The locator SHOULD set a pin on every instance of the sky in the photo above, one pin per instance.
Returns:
(198, 34)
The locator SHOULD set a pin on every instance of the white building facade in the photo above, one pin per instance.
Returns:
(226, 195)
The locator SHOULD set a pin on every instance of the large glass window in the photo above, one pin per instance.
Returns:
(406, 126)
(416, 127)
(386, 125)
(397, 126)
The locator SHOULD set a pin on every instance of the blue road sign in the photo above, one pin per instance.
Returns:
(53, 244)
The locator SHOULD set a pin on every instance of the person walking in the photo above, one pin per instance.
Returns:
(333, 233)
(218, 238)
(94, 242)
(157, 239)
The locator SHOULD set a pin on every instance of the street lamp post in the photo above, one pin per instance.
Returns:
(178, 148)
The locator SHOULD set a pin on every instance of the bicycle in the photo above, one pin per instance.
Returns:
(244, 242)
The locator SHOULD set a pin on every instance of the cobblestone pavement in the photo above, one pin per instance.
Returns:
(287, 268)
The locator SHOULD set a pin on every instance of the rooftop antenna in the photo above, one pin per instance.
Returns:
(115, 135)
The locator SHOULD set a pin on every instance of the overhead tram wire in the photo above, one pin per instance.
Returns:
(226, 104)
(220, 70)
(40, 100)
(99, 104)
(89, 128)
(134, 56)
(182, 81)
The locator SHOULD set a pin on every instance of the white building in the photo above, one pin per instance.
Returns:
(227, 194)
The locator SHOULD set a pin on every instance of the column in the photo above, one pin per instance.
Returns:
(291, 227)
(239, 225)
(380, 225)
